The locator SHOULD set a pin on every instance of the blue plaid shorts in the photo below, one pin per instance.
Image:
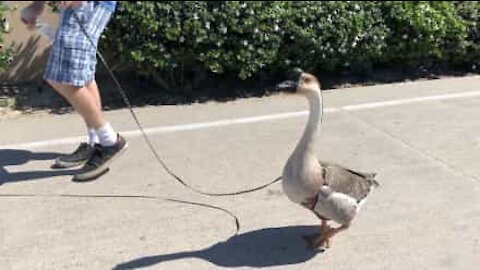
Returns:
(73, 58)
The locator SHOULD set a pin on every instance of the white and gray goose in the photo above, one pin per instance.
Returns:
(331, 191)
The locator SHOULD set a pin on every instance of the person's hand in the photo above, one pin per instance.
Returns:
(30, 14)
(70, 4)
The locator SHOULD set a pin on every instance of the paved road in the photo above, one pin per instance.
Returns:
(421, 137)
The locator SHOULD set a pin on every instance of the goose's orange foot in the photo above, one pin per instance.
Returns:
(314, 240)
(323, 240)
(320, 243)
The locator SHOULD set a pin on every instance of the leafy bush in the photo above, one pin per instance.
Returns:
(333, 35)
(469, 11)
(172, 39)
(182, 43)
(421, 31)
(6, 53)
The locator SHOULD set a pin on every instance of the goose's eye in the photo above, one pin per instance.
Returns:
(307, 80)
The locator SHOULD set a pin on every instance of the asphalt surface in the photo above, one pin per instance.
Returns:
(422, 138)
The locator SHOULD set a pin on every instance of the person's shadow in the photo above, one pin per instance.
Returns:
(261, 248)
(13, 157)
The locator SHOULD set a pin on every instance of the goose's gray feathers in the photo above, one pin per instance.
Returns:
(349, 182)
(343, 193)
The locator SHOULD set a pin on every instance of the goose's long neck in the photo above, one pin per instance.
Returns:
(306, 143)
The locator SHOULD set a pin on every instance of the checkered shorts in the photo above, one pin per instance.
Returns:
(72, 58)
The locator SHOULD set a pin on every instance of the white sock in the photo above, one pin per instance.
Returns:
(107, 135)
(92, 137)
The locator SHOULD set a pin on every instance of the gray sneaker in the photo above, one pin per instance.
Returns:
(102, 156)
(81, 155)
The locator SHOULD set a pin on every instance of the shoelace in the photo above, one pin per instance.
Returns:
(97, 156)
(81, 148)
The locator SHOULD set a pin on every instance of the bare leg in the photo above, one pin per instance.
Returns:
(92, 88)
(83, 102)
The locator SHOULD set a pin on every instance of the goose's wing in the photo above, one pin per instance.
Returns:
(349, 182)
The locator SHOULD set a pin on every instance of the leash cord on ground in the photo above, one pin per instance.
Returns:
(155, 153)
(144, 197)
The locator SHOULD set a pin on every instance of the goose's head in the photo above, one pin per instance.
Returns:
(301, 82)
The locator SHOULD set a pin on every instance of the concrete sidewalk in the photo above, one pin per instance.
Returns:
(422, 138)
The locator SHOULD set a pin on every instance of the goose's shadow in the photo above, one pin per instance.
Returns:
(261, 248)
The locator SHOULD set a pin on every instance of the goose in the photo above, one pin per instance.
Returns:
(332, 192)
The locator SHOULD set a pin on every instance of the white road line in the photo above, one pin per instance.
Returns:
(248, 120)
(373, 105)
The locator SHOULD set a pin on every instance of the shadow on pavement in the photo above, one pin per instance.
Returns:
(13, 157)
(261, 248)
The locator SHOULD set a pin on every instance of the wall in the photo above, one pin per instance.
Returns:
(31, 47)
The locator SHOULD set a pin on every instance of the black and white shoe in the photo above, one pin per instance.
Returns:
(98, 163)
(79, 157)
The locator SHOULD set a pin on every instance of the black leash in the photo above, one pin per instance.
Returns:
(149, 143)
(157, 156)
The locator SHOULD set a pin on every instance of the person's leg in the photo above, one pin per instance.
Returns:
(67, 61)
(95, 94)
(94, 28)
(88, 105)
(83, 102)
(92, 88)
(71, 72)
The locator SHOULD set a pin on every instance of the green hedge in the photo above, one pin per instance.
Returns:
(6, 53)
(423, 31)
(469, 11)
(183, 43)
(333, 35)
(184, 40)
